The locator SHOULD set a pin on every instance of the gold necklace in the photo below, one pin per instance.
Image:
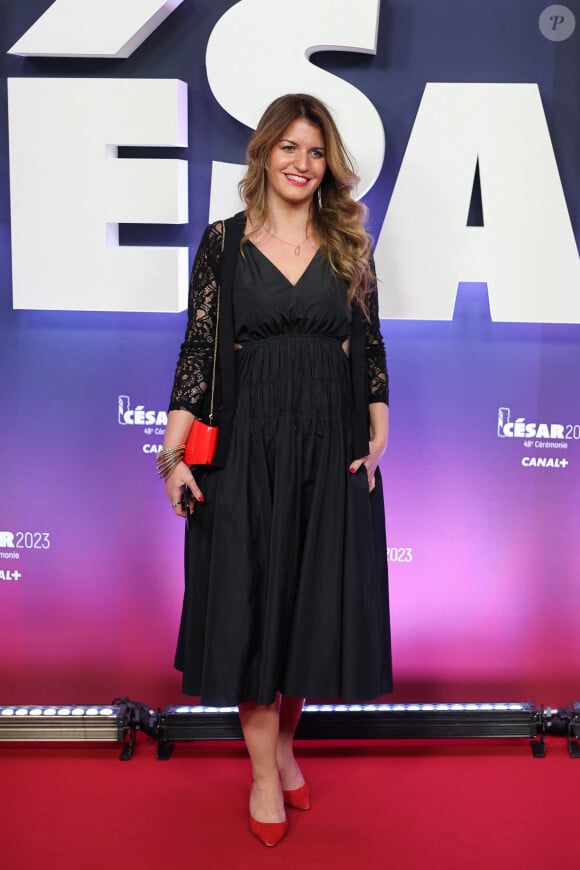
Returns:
(297, 248)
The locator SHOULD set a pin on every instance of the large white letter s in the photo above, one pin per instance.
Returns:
(252, 57)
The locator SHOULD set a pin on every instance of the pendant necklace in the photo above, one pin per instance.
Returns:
(297, 248)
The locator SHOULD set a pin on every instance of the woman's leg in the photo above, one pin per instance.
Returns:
(260, 725)
(290, 773)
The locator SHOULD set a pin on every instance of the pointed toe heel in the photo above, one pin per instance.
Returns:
(269, 833)
(298, 798)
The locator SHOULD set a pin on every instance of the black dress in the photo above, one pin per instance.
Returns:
(286, 580)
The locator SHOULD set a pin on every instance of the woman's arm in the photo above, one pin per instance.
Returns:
(194, 367)
(178, 426)
(376, 357)
(378, 441)
(378, 388)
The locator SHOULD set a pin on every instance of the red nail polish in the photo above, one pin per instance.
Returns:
(201, 498)
(352, 469)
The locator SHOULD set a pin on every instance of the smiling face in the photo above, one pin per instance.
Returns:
(296, 164)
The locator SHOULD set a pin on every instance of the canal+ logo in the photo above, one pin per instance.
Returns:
(139, 416)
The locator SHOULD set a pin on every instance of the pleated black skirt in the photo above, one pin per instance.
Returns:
(285, 561)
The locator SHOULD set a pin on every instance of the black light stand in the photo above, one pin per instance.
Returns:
(574, 730)
(140, 717)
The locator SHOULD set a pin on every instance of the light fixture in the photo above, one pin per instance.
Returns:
(97, 724)
(362, 721)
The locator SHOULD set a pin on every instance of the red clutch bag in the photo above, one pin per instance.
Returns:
(201, 444)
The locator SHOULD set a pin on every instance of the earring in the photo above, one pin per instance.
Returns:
(319, 193)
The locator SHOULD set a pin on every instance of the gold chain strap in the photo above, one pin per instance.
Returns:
(215, 344)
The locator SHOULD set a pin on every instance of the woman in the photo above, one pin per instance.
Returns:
(286, 590)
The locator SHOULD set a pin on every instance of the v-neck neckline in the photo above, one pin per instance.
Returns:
(280, 272)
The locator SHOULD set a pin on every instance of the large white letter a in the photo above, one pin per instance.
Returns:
(525, 251)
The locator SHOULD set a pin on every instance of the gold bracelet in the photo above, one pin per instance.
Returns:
(168, 458)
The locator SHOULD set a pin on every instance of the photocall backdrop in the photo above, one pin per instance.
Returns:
(465, 119)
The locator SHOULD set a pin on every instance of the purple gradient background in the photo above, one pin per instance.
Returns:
(489, 606)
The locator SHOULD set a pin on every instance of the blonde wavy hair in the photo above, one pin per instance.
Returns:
(340, 222)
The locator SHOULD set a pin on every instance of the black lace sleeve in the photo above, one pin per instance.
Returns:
(378, 376)
(195, 363)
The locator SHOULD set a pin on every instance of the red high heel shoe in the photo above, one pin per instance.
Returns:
(299, 798)
(269, 833)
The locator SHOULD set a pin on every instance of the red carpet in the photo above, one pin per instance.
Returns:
(462, 805)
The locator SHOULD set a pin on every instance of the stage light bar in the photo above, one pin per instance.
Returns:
(72, 723)
(362, 721)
